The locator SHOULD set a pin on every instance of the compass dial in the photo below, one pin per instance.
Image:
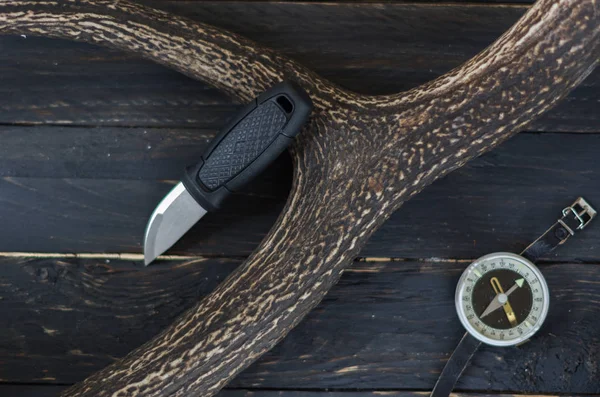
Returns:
(502, 299)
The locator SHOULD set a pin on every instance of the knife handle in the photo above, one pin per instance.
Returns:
(248, 144)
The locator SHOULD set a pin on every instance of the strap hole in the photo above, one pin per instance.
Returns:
(285, 104)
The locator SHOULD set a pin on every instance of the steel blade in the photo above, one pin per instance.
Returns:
(173, 217)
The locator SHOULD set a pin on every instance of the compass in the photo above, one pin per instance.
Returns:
(502, 299)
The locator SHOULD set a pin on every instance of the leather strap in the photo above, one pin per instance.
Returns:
(574, 218)
(459, 360)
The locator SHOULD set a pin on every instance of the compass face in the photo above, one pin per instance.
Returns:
(502, 299)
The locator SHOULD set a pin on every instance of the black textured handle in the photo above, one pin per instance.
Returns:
(249, 143)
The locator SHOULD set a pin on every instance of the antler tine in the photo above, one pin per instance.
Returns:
(543, 34)
(225, 60)
(476, 106)
(358, 161)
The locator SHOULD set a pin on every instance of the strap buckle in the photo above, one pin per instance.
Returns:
(582, 211)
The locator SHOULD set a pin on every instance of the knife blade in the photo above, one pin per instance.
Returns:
(243, 149)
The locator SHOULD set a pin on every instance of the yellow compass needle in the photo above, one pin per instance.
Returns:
(510, 314)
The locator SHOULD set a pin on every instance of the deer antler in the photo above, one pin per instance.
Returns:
(357, 162)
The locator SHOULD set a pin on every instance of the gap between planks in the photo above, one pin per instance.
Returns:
(376, 3)
(260, 392)
(123, 256)
(165, 258)
(140, 257)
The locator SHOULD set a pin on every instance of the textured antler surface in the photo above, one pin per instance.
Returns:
(359, 159)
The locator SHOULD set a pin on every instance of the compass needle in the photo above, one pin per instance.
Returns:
(497, 301)
(502, 299)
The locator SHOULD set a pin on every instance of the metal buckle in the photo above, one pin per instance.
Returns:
(582, 211)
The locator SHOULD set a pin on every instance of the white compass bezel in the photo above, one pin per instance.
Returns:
(463, 317)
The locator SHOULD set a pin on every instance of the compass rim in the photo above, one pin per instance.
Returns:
(477, 334)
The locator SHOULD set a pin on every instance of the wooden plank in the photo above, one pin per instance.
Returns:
(30, 390)
(372, 48)
(501, 201)
(387, 325)
(104, 152)
(106, 308)
(90, 215)
(53, 391)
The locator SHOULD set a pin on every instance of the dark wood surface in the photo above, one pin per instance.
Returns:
(53, 391)
(500, 201)
(369, 48)
(386, 325)
(91, 139)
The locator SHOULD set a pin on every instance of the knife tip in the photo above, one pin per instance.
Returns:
(149, 256)
(172, 218)
(149, 251)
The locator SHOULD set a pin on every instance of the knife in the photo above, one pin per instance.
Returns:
(243, 149)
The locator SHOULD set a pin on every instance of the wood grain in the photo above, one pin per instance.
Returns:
(52, 391)
(386, 325)
(500, 201)
(106, 308)
(374, 49)
(101, 152)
